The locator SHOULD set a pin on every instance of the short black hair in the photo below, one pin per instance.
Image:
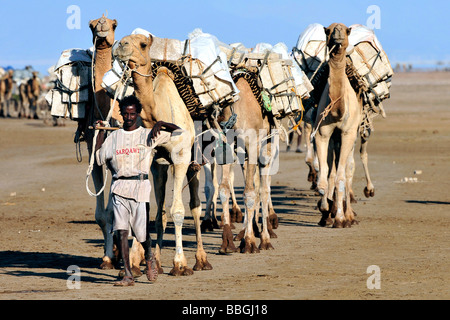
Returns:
(129, 101)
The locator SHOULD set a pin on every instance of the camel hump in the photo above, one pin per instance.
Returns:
(166, 71)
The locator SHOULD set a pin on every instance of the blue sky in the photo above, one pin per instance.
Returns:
(35, 32)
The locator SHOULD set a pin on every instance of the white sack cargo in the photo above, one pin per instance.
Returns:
(311, 50)
(73, 78)
(283, 82)
(208, 69)
(370, 61)
(365, 53)
(202, 60)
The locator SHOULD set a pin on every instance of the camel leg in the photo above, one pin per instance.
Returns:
(104, 218)
(224, 195)
(265, 196)
(322, 141)
(310, 155)
(136, 257)
(196, 211)
(265, 179)
(350, 171)
(369, 190)
(255, 220)
(241, 233)
(248, 245)
(177, 213)
(211, 191)
(236, 213)
(273, 218)
(159, 173)
(343, 218)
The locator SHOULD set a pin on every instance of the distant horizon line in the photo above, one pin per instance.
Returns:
(42, 65)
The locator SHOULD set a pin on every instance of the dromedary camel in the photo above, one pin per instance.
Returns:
(252, 128)
(33, 92)
(6, 86)
(338, 119)
(103, 39)
(311, 160)
(161, 101)
(24, 104)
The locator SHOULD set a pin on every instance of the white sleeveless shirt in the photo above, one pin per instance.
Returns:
(128, 157)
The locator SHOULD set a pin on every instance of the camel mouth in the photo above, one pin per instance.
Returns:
(102, 34)
(339, 41)
(122, 56)
(123, 53)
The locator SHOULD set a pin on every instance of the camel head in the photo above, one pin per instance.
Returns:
(134, 50)
(103, 29)
(337, 35)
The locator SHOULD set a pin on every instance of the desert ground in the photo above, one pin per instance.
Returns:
(47, 219)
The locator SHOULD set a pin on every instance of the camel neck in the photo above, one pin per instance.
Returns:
(103, 63)
(337, 65)
(143, 88)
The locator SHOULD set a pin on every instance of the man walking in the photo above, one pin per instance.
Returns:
(129, 160)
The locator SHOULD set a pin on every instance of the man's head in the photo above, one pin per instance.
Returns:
(130, 108)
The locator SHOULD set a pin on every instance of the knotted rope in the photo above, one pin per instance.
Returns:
(324, 114)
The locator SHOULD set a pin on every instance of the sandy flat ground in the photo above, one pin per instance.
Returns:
(47, 219)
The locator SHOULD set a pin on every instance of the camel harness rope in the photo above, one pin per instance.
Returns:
(324, 114)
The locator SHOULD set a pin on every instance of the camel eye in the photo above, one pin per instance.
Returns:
(143, 45)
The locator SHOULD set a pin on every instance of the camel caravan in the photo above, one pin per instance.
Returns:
(22, 93)
(235, 104)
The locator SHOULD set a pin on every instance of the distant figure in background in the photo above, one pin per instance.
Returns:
(34, 90)
(299, 133)
(6, 86)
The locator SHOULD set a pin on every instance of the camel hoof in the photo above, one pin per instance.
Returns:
(248, 246)
(273, 220)
(266, 245)
(228, 250)
(369, 193)
(325, 222)
(181, 271)
(239, 236)
(207, 225)
(338, 224)
(135, 272)
(202, 265)
(348, 224)
(107, 265)
(272, 234)
(236, 215)
(227, 241)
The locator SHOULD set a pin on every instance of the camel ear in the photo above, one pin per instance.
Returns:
(150, 40)
(114, 24)
(91, 24)
(349, 30)
(327, 31)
